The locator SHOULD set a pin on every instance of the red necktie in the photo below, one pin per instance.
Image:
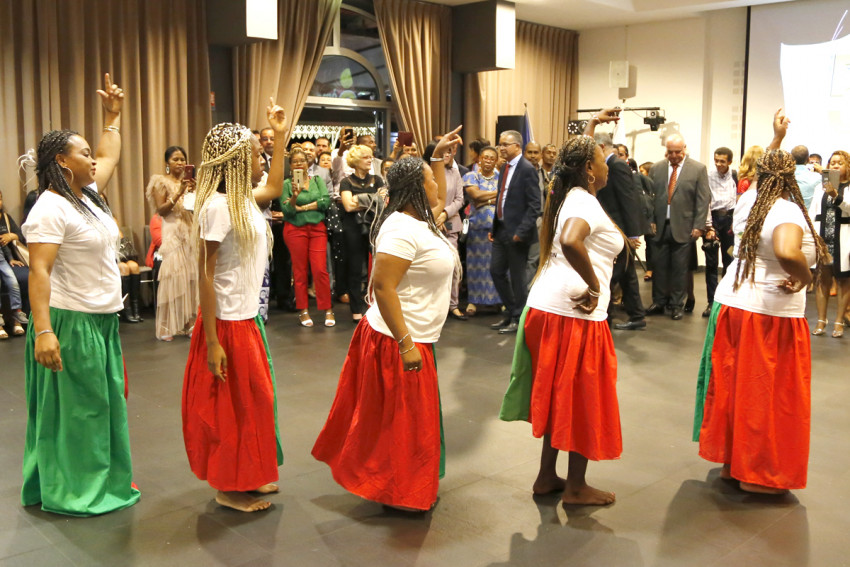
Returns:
(671, 186)
(502, 195)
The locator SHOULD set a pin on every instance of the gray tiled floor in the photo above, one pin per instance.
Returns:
(671, 508)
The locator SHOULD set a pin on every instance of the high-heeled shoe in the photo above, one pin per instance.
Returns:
(304, 318)
(820, 330)
(838, 330)
(330, 320)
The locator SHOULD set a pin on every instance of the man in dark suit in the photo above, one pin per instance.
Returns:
(681, 208)
(514, 228)
(619, 198)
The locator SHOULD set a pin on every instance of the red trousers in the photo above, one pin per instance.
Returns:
(308, 248)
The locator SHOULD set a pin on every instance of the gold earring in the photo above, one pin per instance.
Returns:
(591, 179)
(69, 171)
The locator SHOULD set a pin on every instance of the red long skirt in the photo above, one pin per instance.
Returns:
(758, 405)
(574, 392)
(382, 437)
(229, 427)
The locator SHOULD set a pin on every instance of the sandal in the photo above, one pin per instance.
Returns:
(647, 277)
(838, 331)
(3, 334)
(471, 310)
(819, 330)
(18, 331)
(330, 320)
(304, 317)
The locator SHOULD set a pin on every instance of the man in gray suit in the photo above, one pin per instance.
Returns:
(682, 196)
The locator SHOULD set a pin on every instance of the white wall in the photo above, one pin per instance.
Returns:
(793, 23)
(692, 68)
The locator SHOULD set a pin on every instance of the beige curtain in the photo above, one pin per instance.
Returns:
(417, 38)
(285, 68)
(545, 77)
(54, 55)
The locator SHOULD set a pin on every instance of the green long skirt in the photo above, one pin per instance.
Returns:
(77, 453)
(705, 369)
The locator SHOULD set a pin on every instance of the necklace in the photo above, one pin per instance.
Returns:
(486, 178)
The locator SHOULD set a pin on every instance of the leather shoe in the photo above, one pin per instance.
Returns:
(458, 314)
(707, 311)
(631, 325)
(512, 327)
(677, 313)
(689, 305)
(655, 309)
(501, 324)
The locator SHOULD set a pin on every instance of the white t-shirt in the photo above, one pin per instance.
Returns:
(763, 295)
(559, 282)
(85, 275)
(237, 286)
(425, 289)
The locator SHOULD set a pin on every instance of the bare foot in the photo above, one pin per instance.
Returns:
(759, 489)
(726, 472)
(548, 485)
(588, 496)
(241, 501)
(269, 488)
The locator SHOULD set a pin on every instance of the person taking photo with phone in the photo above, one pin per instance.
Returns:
(304, 202)
(177, 294)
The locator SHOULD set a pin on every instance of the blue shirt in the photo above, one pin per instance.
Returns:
(808, 182)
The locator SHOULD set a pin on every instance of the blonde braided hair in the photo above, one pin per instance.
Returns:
(227, 164)
(775, 172)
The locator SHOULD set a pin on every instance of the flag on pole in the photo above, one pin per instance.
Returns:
(527, 132)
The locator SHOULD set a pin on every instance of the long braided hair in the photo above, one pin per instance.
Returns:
(226, 166)
(570, 171)
(406, 183)
(775, 173)
(50, 176)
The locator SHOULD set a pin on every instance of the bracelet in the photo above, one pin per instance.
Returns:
(38, 334)
(401, 340)
(592, 293)
(436, 158)
(115, 129)
(408, 350)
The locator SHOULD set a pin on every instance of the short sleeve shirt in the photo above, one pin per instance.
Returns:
(85, 276)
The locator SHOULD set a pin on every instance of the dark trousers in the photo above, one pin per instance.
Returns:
(722, 224)
(356, 254)
(624, 274)
(671, 269)
(281, 284)
(650, 251)
(508, 265)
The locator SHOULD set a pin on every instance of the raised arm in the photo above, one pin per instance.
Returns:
(274, 185)
(601, 117)
(109, 147)
(780, 128)
(448, 141)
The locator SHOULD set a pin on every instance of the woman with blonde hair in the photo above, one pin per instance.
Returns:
(362, 196)
(747, 171)
(177, 292)
(229, 401)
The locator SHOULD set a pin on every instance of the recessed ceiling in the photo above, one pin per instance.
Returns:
(585, 14)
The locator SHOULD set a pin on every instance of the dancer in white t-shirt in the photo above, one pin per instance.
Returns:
(383, 438)
(229, 408)
(758, 403)
(565, 347)
(77, 454)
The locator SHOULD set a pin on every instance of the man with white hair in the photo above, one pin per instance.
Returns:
(682, 196)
